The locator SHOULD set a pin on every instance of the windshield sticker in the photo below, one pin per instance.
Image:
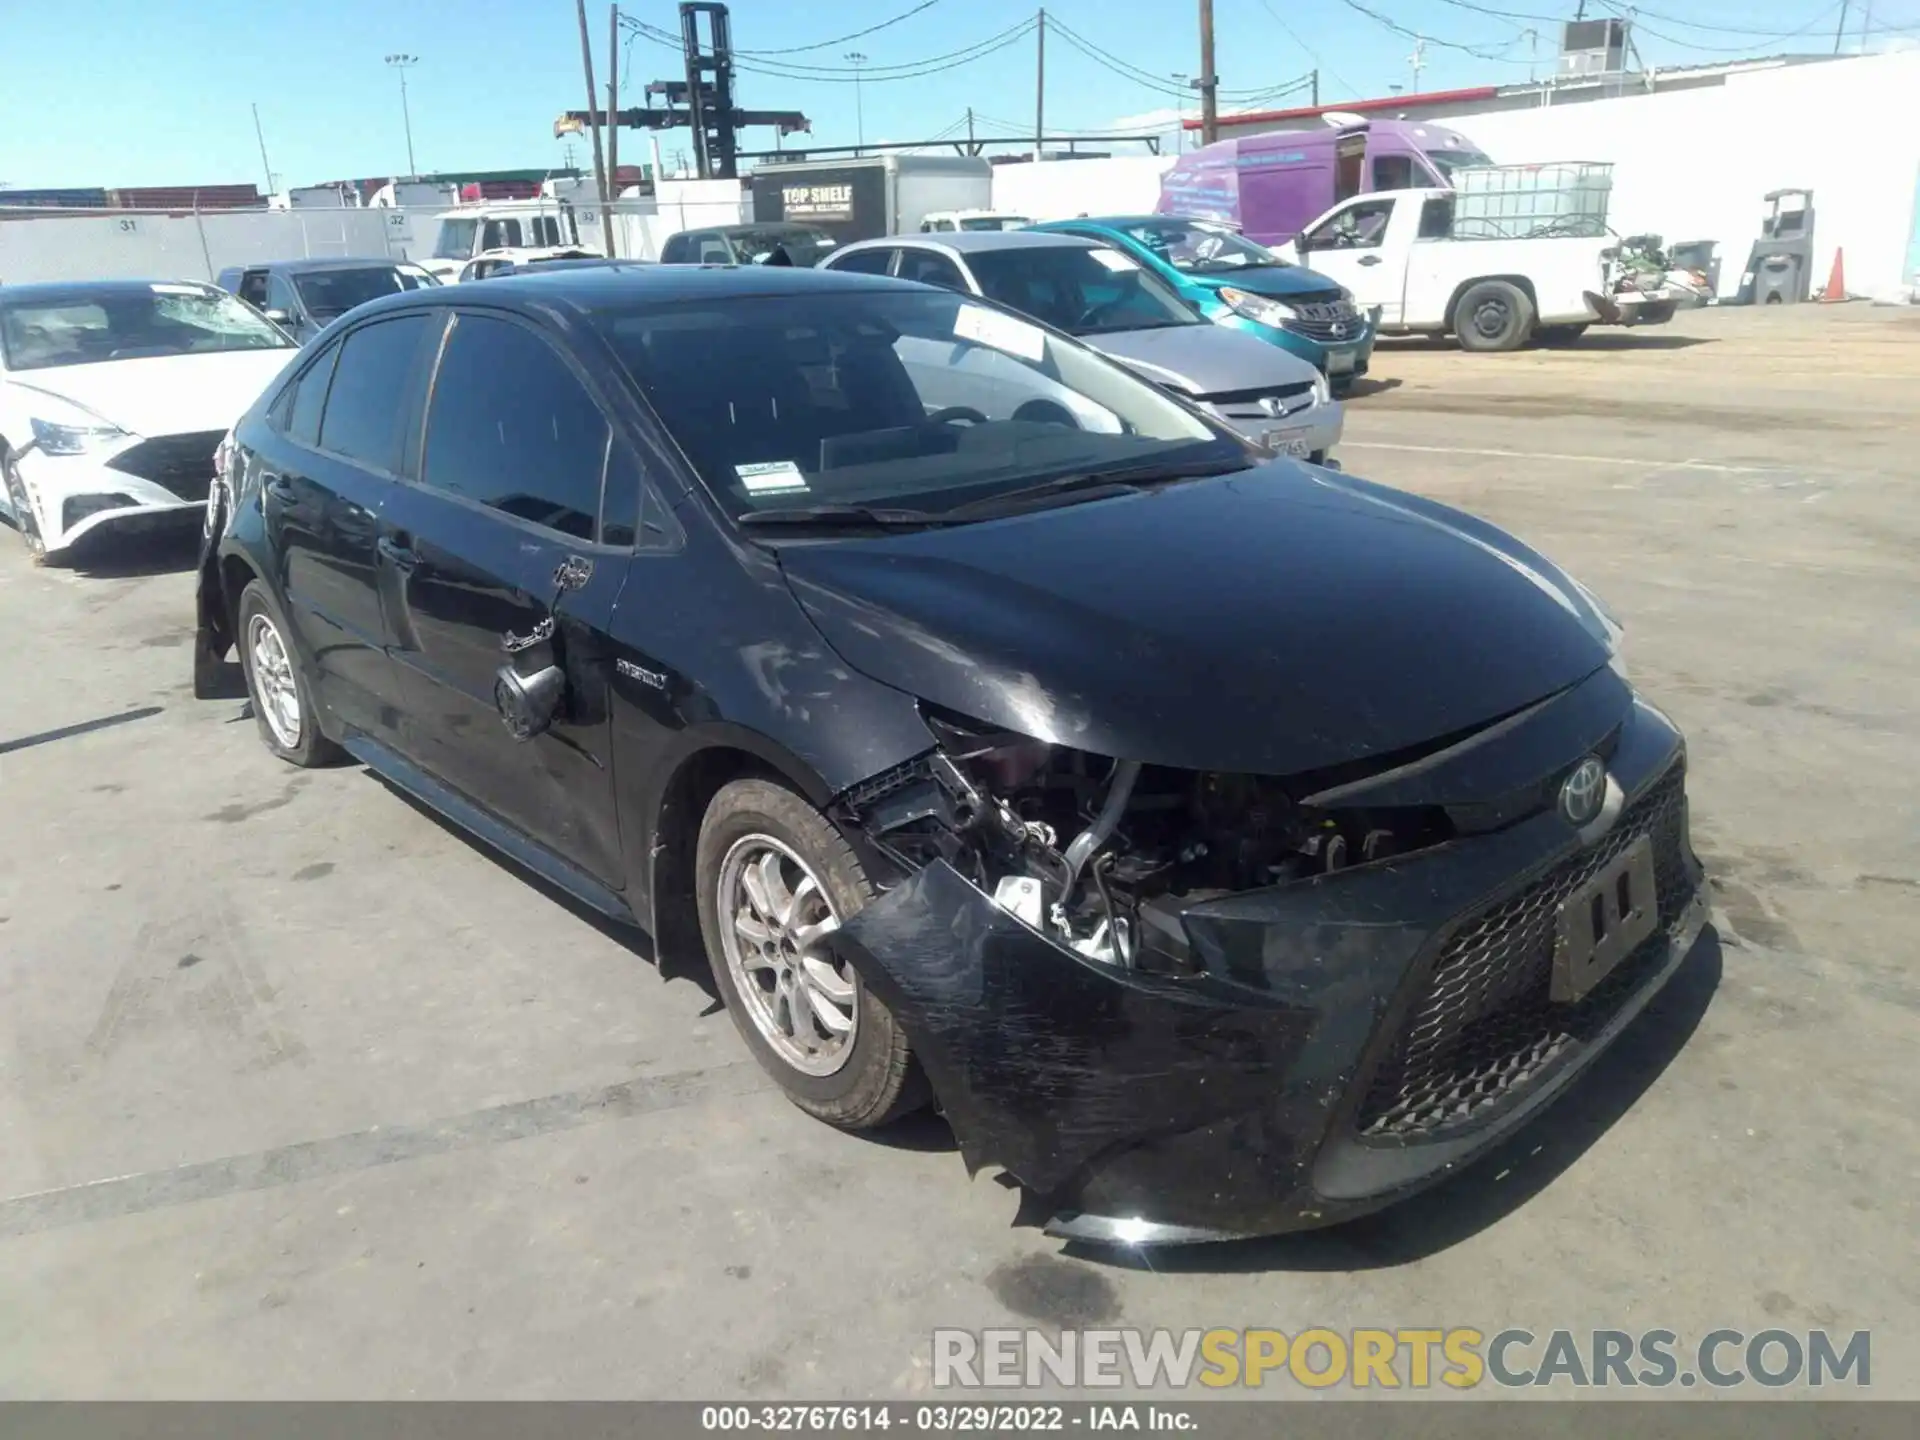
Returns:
(1114, 260)
(1002, 332)
(773, 477)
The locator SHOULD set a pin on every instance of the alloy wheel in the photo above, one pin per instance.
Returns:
(279, 696)
(775, 916)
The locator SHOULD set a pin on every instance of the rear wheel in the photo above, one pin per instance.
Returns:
(23, 519)
(775, 878)
(1493, 315)
(282, 698)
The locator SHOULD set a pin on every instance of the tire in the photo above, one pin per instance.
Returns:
(23, 519)
(1558, 334)
(282, 698)
(1493, 315)
(858, 1079)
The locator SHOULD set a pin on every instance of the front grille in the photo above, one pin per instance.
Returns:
(1334, 321)
(1265, 402)
(1483, 1024)
(182, 464)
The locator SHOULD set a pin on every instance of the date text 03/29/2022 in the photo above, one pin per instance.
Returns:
(961, 1418)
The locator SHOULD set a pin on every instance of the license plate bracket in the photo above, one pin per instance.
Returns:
(1340, 362)
(1603, 922)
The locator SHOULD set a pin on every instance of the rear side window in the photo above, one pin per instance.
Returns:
(500, 235)
(511, 427)
(366, 413)
(679, 250)
(1436, 219)
(309, 398)
(865, 262)
(931, 269)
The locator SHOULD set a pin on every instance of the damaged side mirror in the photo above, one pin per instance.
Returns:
(528, 703)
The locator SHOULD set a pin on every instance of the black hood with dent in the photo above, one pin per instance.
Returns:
(1274, 621)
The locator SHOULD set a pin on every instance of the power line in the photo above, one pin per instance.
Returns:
(907, 70)
(1633, 15)
(1313, 54)
(1146, 79)
(1479, 52)
(843, 39)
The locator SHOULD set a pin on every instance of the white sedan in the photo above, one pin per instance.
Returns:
(113, 398)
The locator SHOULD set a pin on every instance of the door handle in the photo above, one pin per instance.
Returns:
(396, 554)
(1369, 259)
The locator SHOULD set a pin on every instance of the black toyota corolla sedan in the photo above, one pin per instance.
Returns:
(1224, 844)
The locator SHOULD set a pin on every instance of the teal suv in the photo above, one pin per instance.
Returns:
(1234, 282)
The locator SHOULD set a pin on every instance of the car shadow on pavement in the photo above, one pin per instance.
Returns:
(1494, 1186)
(1596, 340)
(127, 557)
(1367, 385)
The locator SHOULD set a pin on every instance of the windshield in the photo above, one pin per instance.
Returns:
(803, 247)
(920, 399)
(456, 239)
(329, 294)
(86, 325)
(995, 222)
(1448, 161)
(1080, 290)
(1197, 247)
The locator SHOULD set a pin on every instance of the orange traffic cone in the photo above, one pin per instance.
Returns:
(1836, 282)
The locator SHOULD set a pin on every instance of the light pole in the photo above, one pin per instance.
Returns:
(402, 63)
(856, 59)
(1185, 82)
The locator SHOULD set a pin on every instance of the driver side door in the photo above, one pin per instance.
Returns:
(1349, 245)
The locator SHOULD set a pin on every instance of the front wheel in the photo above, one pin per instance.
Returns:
(775, 878)
(1493, 315)
(23, 518)
(282, 698)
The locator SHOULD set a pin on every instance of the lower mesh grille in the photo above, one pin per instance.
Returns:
(182, 464)
(1484, 1024)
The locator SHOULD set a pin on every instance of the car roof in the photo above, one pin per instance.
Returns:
(590, 287)
(967, 242)
(1116, 222)
(337, 262)
(52, 292)
(758, 227)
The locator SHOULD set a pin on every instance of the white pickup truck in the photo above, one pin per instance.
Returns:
(491, 233)
(1397, 250)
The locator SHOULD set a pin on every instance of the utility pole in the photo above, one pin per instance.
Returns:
(1866, 24)
(1533, 53)
(1840, 29)
(613, 121)
(1040, 94)
(1208, 84)
(856, 59)
(970, 140)
(259, 135)
(1316, 87)
(593, 120)
(1418, 60)
(402, 63)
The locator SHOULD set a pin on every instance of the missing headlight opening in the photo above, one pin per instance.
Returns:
(1103, 855)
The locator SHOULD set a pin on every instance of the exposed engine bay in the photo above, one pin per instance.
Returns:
(1102, 855)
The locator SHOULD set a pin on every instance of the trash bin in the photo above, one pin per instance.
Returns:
(1777, 280)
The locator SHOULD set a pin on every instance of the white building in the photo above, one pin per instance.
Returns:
(1694, 149)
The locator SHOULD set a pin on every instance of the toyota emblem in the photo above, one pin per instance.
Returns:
(1582, 792)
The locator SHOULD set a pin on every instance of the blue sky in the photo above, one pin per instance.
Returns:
(107, 92)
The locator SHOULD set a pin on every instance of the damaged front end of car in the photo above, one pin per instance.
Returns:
(1184, 1005)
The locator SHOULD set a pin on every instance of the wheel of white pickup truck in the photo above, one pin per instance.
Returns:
(1493, 315)
(775, 879)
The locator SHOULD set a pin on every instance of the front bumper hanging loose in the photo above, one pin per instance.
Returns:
(1348, 1040)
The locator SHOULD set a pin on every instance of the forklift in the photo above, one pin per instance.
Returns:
(1778, 265)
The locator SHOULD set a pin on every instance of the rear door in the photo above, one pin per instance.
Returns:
(338, 432)
(505, 498)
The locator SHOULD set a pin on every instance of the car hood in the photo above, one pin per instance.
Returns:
(1276, 621)
(1279, 281)
(1202, 359)
(161, 394)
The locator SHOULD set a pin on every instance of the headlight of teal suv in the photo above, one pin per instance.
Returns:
(56, 439)
(1258, 308)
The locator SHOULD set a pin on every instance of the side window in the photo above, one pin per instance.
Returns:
(713, 250)
(1393, 172)
(631, 512)
(546, 230)
(511, 427)
(309, 398)
(931, 269)
(1436, 219)
(364, 417)
(500, 234)
(1360, 226)
(280, 296)
(253, 288)
(865, 262)
(679, 250)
